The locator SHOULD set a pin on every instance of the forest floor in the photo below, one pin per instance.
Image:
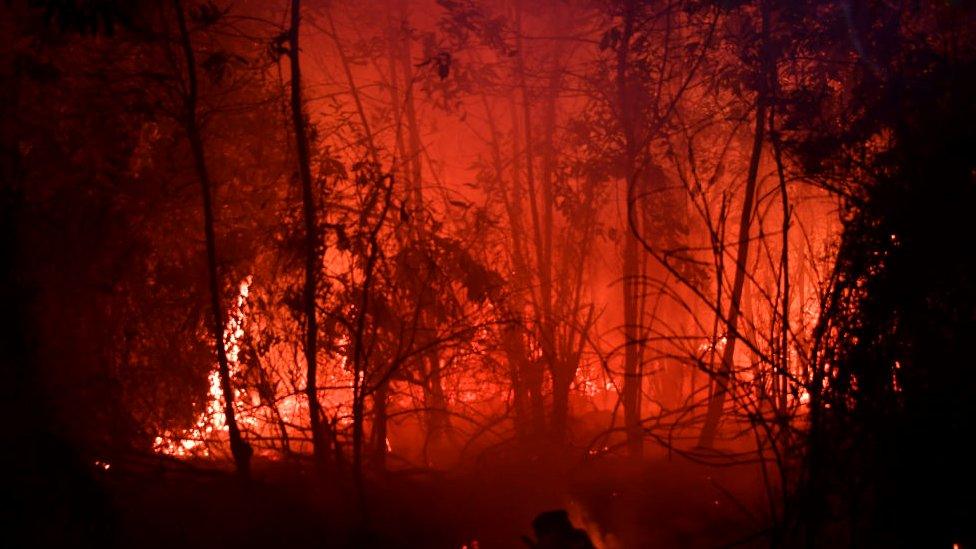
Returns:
(659, 502)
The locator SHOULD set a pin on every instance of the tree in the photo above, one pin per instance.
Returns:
(707, 437)
(240, 449)
(313, 242)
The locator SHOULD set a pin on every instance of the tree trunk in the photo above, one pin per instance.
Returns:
(380, 418)
(706, 438)
(530, 371)
(435, 401)
(240, 449)
(413, 127)
(541, 234)
(633, 375)
(360, 387)
(320, 447)
(561, 382)
(526, 373)
(516, 355)
(438, 421)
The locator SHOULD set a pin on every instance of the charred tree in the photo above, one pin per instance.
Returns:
(240, 449)
(312, 242)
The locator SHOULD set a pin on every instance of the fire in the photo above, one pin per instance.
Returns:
(194, 441)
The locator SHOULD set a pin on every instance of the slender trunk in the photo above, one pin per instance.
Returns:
(543, 267)
(360, 387)
(561, 369)
(435, 401)
(530, 370)
(380, 417)
(633, 375)
(784, 335)
(413, 127)
(240, 449)
(548, 202)
(562, 379)
(312, 243)
(437, 419)
(513, 334)
(515, 354)
(532, 377)
(402, 167)
(706, 438)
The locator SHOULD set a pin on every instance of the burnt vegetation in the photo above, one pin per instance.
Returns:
(410, 273)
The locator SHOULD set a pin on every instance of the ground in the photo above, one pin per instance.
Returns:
(656, 503)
